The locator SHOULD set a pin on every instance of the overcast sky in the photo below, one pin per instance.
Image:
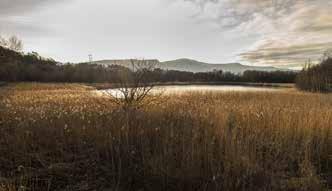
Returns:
(282, 33)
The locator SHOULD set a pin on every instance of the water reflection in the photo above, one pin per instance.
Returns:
(178, 89)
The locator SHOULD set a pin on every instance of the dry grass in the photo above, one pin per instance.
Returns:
(50, 86)
(66, 138)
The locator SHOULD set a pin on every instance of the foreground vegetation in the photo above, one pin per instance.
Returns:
(66, 137)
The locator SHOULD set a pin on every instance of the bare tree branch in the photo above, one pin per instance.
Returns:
(134, 85)
(13, 43)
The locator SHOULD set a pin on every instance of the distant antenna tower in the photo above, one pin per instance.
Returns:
(90, 58)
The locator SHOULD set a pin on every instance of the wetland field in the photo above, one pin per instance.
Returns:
(67, 137)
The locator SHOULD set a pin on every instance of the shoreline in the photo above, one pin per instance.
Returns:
(103, 86)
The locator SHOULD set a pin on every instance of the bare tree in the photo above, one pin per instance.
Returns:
(134, 85)
(3, 42)
(326, 55)
(13, 43)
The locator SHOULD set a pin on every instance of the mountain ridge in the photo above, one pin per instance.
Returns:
(190, 65)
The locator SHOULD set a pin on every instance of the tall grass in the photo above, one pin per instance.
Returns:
(72, 139)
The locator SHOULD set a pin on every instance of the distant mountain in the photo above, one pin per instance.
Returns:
(189, 65)
(124, 62)
(196, 66)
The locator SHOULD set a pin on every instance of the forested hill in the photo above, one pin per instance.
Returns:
(7, 55)
(15, 66)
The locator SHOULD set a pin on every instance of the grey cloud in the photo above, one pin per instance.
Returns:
(306, 31)
(14, 7)
(304, 25)
(296, 55)
(15, 19)
(202, 3)
(23, 28)
(242, 11)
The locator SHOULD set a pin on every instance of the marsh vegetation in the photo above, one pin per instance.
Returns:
(64, 137)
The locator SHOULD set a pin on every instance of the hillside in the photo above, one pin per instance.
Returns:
(7, 55)
(192, 66)
(196, 66)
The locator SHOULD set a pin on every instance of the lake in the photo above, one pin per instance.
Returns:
(179, 89)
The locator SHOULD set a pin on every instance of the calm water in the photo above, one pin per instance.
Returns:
(178, 89)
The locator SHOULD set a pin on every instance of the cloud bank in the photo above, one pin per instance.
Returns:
(284, 33)
(288, 32)
(14, 21)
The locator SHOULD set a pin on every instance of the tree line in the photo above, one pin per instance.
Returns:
(16, 66)
(316, 78)
(221, 76)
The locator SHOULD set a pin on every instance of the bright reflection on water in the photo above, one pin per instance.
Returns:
(178, 89)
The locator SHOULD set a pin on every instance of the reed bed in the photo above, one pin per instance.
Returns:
(67, 138)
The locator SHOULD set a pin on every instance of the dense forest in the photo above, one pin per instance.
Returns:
(15, 66)
(317, 78)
